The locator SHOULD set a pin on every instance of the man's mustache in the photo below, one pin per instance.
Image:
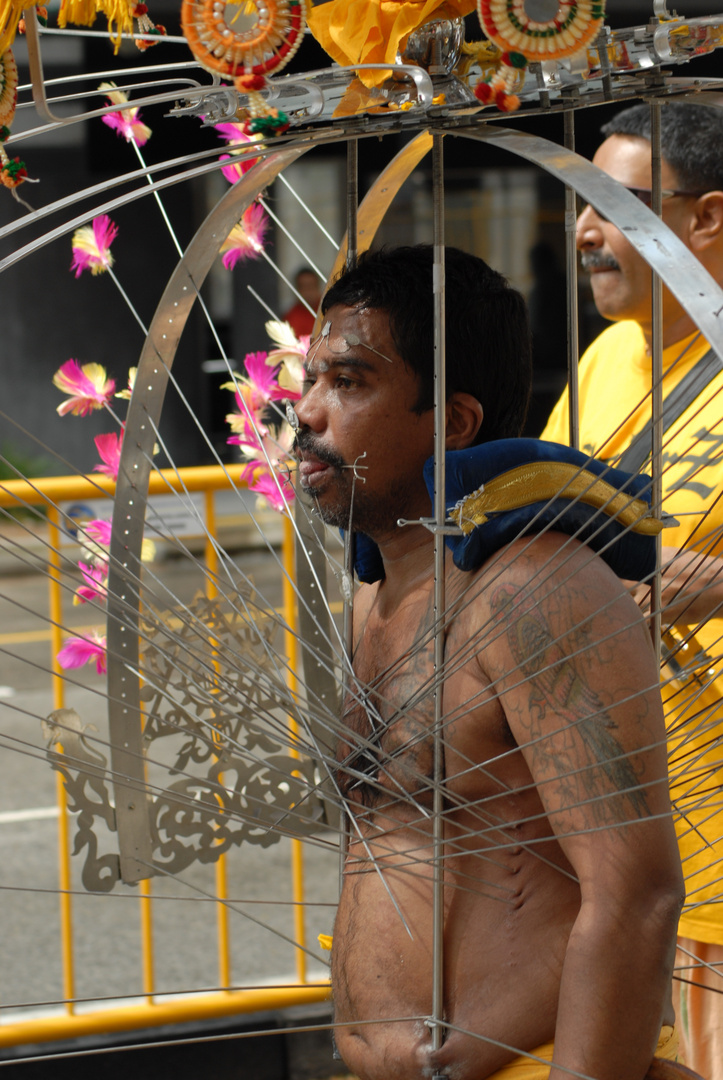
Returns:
(596, 260)
(306, 443)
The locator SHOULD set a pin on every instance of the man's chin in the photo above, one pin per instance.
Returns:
(324, 506)
(336, 517)
(610, 298)
(376, 517)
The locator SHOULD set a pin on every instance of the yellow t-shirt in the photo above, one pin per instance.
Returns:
(615, 380)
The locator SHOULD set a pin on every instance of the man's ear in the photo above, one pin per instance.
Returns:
(706, 226)
(463, 417)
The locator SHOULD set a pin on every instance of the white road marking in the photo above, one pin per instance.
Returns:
(40, 813)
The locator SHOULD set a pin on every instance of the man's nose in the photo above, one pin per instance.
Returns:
(589, 230)
(310, 411)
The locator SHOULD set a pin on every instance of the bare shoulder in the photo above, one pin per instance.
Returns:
(543, 561)
(552, 589)
(563, 580)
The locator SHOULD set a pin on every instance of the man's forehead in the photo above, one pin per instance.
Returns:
(353, 331)
(628, 159)
(373, 320)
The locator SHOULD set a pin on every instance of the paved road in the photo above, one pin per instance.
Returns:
(107, 940)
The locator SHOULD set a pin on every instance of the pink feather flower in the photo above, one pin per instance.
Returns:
(233, 134)
(246, 239)
(109, 447)
(235, 170)
(276, 489)
(99, 529)
(126, 122)
(253, 393)
(91, 246)
(88, 386)
(132, 372)
(78, 651)
(248, 433)
(96, 538)
(290, 353)
(262, 378)
(95, 588)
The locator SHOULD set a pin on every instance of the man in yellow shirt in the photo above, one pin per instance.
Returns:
(615, 382)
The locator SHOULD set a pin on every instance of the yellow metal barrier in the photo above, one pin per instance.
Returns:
(48, 491)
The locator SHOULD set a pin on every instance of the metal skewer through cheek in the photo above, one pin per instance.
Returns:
(439, 594)
(352, 205)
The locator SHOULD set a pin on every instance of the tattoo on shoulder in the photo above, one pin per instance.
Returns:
(571, 734)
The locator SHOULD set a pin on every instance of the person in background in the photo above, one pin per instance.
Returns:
(298, 316)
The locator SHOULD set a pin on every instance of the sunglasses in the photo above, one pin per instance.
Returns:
(646, 196)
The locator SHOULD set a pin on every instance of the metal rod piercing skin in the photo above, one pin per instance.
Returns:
(352, 210)
(440, 513)
(657, 375)
(356, 466)
(573, 352)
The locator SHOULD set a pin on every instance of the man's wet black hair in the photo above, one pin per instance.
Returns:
(487, 332)
(691, 140)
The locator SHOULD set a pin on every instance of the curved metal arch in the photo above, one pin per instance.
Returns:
(696, 290)
(169, 321)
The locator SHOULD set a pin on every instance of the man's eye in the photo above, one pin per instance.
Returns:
(307, 384)
(344, 383)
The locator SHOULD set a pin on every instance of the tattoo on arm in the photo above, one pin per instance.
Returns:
(571, 733)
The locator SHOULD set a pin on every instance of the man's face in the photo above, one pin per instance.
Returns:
(360, 445)
(308, 286)
(620, 277)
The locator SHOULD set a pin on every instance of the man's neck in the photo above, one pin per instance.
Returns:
(408, 556)
(673, 331)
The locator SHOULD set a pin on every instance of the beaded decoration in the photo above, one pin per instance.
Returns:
(246, 55)
(259, 50)
(541, 29)
(12, 170)
(532, 30)
(41, 14)
(8, 87)
(499, 87)
(146, 26)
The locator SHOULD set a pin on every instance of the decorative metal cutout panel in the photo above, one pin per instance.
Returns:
(219, 748)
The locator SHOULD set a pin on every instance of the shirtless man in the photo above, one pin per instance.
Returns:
(562, 879)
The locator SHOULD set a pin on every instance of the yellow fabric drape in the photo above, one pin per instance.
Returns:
(372, 31)
(10, 14)
(84, 12)
(526, 1068)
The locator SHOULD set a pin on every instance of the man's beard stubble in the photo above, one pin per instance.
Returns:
(350, 507)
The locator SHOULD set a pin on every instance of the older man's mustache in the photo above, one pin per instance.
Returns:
(596, 260)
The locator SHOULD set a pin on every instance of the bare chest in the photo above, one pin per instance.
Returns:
(387, 753)
(388, 717)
